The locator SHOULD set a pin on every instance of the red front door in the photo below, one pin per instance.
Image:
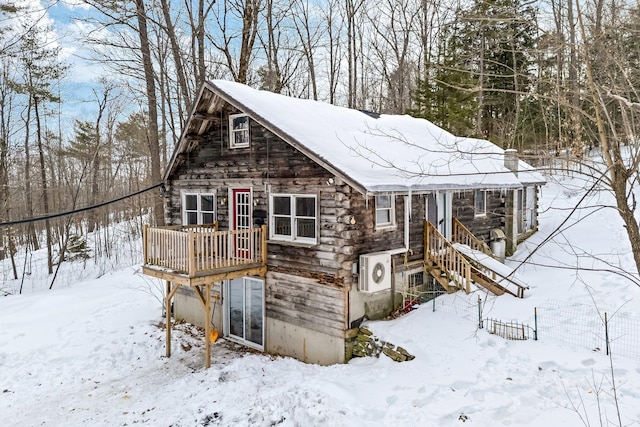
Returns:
(242, 221)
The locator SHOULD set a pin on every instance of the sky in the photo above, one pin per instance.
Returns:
(68, 23)
(91, 351)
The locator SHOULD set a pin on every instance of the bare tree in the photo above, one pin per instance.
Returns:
(333, 43)
(352, 10)
(226, 37)
(152, 104)
(185, 93)
(621, 164)
(308, 33)
(394, 25)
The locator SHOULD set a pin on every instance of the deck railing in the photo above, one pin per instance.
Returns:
(193, 250)
(442, 253)
(461, 234)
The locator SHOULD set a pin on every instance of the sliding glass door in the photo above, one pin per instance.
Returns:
(244, 304)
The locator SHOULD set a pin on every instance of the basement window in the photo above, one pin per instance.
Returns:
(238, 131)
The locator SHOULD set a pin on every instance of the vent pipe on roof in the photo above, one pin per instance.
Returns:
(511, 160)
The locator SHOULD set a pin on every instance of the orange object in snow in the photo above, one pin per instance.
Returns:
(214, 335)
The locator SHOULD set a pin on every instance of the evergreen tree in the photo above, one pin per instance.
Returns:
(496, 39)
(446, 97)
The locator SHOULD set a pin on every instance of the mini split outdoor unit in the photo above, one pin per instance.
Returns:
(375, 272)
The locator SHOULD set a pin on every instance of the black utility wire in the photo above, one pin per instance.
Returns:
(88, 208)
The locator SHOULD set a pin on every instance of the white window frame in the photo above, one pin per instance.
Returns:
(478, 212)
(233, 132)
(293, 217)
(391, 209)
(198, 209)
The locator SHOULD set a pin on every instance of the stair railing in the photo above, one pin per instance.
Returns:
(438, 250)
(462, 235)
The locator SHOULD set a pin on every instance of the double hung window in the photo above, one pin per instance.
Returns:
(238, 130)
(385, 211)
(294, 218)
(480, 204)
(198, 208)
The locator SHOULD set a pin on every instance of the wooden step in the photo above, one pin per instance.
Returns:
(484, 281)
(443, 280)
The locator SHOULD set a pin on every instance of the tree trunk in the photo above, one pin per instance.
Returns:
(31, 231)
(479, 124)
(249, 31)
(185, 95)
(618, 174)
(152, 134)
(45, 192)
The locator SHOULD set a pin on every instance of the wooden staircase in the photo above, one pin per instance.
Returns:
(455, 270)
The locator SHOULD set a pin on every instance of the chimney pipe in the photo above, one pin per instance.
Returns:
(511, 160)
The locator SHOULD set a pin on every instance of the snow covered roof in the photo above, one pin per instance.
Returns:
(372, 152)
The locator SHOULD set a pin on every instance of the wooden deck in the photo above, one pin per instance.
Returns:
(196, 255)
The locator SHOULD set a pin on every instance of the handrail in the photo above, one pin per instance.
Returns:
(191, 227)
(463, 235)
(441, 252)
(192, 250)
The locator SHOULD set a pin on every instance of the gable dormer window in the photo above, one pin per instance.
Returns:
(238, 131)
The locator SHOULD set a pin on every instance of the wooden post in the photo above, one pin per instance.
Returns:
(144, 245)
(207, 327)
(467, 273)
(264, 244)
(192, 253)
(168, 316)
(426, 241)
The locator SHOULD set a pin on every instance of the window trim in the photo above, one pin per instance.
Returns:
(293, 238)
(199, 211)
(391, 209)
(232, 131)
(476, 212)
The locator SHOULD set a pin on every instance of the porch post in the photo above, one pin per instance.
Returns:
(510, 221)
(168, 316)
(145, 249)
(207, 327)
(264, 245)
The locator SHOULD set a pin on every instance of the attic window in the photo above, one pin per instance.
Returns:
(238, 131)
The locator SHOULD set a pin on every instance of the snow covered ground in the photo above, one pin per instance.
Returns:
(91, 351)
